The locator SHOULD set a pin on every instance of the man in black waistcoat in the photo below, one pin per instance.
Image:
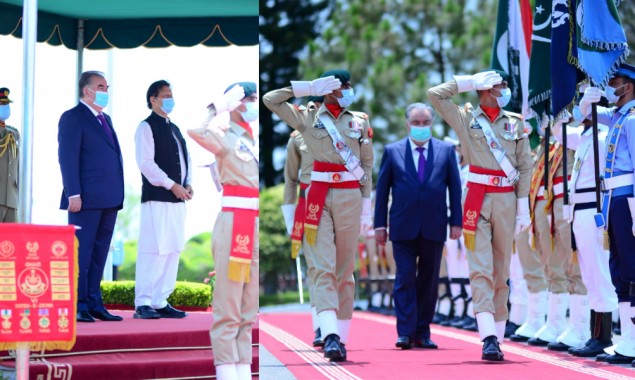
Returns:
(165, 168)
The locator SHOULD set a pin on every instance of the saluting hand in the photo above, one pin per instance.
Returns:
(317, 87)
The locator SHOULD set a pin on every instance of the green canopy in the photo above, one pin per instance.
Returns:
(133, 23)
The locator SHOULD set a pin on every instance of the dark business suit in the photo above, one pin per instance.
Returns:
(418, 226)
(92, 167)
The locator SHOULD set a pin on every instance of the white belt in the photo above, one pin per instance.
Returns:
(239, 202)
(332, 177)
(490, 180)
(619, 181)
(558, 188)
(577, 198)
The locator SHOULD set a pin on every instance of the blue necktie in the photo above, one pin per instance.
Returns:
(422, 163)
(104, 124)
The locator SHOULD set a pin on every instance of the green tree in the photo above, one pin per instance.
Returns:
(395, 50)
(286, 26)
(275, 244)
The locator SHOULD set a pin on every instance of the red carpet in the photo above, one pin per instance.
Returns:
(372, 354)
(134, 349)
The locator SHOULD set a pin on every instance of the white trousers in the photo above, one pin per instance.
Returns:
(594, 262)
(155, 278)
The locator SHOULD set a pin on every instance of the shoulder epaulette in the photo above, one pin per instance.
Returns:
(363, 115)
(514, 114)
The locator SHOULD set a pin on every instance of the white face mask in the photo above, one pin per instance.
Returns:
(610, 93)
(506, 96)
(252, 112)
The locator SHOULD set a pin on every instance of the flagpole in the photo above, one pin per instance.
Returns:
(565, 178)
(596, 156)
(547, 137)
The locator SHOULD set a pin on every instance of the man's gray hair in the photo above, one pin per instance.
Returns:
(421, 106)
(86, 79)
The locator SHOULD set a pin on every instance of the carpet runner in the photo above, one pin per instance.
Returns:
(134, 349)
(372, 354)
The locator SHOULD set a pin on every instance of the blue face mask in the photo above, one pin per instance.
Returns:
(610, 93)
(578, 118)
(506, 96)
(347, 98)
(420, 134)
(5, 112)
(168, 105)
(101, 98)
(252, 112)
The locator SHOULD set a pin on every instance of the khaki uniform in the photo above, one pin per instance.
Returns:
(9, 158)
(562, 272)
(235, 304)
(338, 232)
(489, 261)
(297, 169)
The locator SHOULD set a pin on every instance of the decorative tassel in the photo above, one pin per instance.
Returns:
(310, 234)
(533, 242)
(238, 270)
(606, 240)
(553, 244)
(574, 259)
(295, 248)
(470, 240)
(513, 247)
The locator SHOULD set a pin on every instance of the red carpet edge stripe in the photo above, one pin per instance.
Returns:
(308, 354)
(509, 348)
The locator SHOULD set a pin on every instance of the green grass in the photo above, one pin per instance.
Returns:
(282, 298)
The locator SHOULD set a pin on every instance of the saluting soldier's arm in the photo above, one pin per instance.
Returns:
(291, 172)
(454, 115)
(210, 138)
(276, 101)
(524, 163)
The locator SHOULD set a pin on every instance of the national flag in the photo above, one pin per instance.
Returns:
(540, 61)
(564, 74)
(600, 39)
(512, 45)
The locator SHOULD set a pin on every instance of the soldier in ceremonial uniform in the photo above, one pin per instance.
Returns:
(618, 204)
(9, 156)
(235, 234)
(297, 171)
(593, 258)
(338, 200)
(496, 147)
(562, 271)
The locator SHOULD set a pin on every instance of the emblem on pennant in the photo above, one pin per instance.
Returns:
(313, 210)
(471, 217)
(241, 244)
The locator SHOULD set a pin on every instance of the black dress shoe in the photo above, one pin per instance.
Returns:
(592, 348)
(344, 353)
(518, 338)
(557, 346)
(491, 350)
(404, 342)
(332, 348)
(602, 357)
(104, 315)
(510, 329)
(318, 341)
(84, 316)
(145, 312)
(537, 342)
(619, 359)
(425, 343)
(170, 312)
(470, 324)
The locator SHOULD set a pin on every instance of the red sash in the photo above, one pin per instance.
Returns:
(298, 222)
(243, 233)
(317, 196)
(474, 202)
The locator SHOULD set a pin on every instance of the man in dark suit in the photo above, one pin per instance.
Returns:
(419, 170)
(92, 175)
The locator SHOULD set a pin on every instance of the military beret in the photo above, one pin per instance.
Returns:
(341, 74)
(249, 87)
(316, 99)
(625, 70)
(4, 96)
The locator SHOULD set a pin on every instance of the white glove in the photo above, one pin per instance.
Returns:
(545, 121)
(591, 95)
(631, 205)
(317, 87)
(288, 213)
(366, 221)
(478, 81)
(567, 213)
(230, 100)
(523, 221)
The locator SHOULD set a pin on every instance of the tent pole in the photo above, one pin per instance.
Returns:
(80, 51)
(29, 33)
